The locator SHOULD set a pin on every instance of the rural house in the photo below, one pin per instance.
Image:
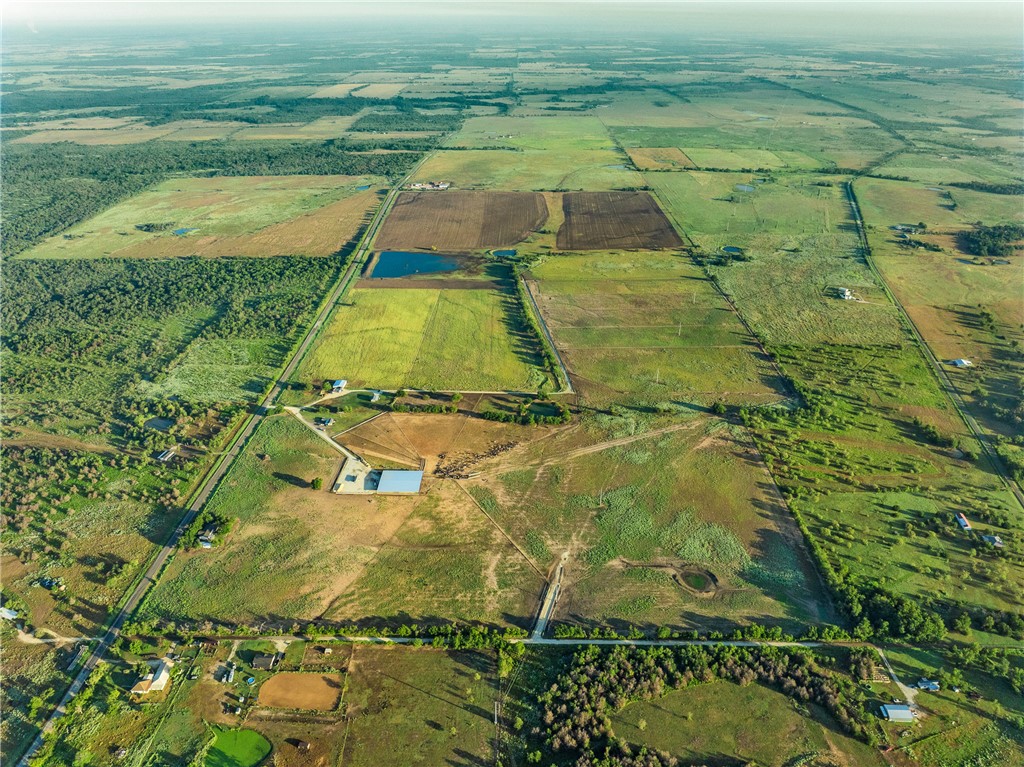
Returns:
(156, 680)
(264, 662)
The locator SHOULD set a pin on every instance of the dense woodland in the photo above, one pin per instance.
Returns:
(998, 241)
(61, 318)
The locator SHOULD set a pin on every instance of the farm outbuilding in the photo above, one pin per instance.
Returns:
(339, 386)
(962, 363)
(897, 712)
(962, 521)
(264, 662)
(394, 481)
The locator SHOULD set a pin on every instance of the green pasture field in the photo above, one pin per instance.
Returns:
(946, 291)
(576, 133)
(885, 203)
(530, 170)
(702, 723)
(390, 559)
(441, 339)
(875, 494)
(220, 370)
(29, 670)
(636, 515)
(946, 165)
(218, 207)
(801, 246)
(735, 159)
(446, 712)
(843, 140)
(648, 326)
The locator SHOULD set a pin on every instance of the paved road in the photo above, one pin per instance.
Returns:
(213, 478)
(940, 371)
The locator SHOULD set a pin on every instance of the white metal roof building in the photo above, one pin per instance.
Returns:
(897, 712)
(392, 481)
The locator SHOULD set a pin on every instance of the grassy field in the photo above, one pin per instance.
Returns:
(701, 724)
(438, 705)
(799, 245)
(391, 559)
(965, 307)
(676, 525)
(430, 339)
(224, 216)
(622, 321)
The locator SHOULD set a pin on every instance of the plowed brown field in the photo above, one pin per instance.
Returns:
(318, 692)
(462, 220)
(608, 220)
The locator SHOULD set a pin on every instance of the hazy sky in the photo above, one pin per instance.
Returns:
(913, 20)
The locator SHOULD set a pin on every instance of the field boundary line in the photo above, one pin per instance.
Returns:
(932, 362)
(547, 333)
(502, 530)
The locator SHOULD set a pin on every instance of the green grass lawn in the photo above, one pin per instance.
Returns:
(237, 748)
(429, 339)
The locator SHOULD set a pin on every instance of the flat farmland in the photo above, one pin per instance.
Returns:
(648, 326)
(461, 220)
(392, 559)
(428, 338)
(237, 216)
(437, 705)
(530, 170)
(659, 158)
(672, 522)
(606, 220)
(735, 159)
(799, 244)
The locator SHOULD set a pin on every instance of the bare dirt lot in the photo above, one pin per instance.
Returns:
(461, 220)
(607, 220)
(319, 692)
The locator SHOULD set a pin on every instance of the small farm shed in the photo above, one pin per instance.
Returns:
(962, 363)
(993, 540)
(897, 712)
(962, 521)
(928, 684)
(394, 481)
(339, 386)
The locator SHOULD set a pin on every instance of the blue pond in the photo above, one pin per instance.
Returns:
(398, 263)
(362, 188)
(732, 250)
(183, 231)
(504, 253)
(744, 188)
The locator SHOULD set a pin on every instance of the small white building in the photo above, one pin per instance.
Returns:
(845, 293)
(897, 712)
(8, 614)
(339, 386)
(962, 363)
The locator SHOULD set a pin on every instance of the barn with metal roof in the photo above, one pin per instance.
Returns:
(393, 481)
